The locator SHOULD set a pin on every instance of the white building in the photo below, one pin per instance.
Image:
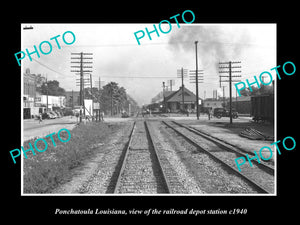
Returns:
(212, 103)
(53, 101)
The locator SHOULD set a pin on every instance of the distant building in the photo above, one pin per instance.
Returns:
(213, 103)
(54, 102)
(29, 91)
(33, 102)
(29, 95)
(241, 104)
(158, 98)
(173, 100)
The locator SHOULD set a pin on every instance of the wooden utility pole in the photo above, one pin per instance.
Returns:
(91, 84)
(171, 83)
(164, 99)
(230, 93)
(47, 92)
(197, 92)
(196, 79)
(81, 72)
(182, 87)
(111, 100)
(224, 96)
(229, 80)
(182, 73)
(72, 100)
(99, 83)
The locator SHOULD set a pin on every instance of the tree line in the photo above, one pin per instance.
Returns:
(257, 91)
(113, 98)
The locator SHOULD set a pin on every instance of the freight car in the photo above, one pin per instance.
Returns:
(262, 108)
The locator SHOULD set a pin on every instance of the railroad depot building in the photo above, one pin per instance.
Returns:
(174, 101)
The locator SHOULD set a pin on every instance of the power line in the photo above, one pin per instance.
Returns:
(48, 67)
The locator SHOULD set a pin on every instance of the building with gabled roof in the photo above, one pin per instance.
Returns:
(174, 100)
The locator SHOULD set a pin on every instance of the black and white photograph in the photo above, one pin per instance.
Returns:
(174, 111)
(149, 109)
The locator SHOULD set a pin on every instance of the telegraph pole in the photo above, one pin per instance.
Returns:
(72, 100)
(171, 83)
(197, 93)
(81, 72)
(223, 95)
(230, 71)
(98, 84)
(111, 100)
(91, 83)
(194, 80)
(230, 93)
(182, 86)
(47, 92)
(165, 107)
(182, 73)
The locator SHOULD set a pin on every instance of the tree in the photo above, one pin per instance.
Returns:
(257, 91)
(53, 88)
(91, 94)
(113, 98)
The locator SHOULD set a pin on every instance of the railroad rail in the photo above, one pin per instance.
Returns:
(228, 147)
(246, 176)
(141, 170)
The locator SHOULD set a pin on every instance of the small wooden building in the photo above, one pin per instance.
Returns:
(175, 102)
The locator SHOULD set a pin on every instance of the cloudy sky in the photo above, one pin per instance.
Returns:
(141, 69)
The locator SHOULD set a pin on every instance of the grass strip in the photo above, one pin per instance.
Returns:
(46, 170)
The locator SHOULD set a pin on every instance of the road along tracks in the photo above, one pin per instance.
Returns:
(140, 169)
(259, 177)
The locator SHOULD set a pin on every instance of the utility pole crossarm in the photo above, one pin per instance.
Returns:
(229, 71)
(81, 72)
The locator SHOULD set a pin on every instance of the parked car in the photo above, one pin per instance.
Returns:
(221, 112)
(68, 112)
(47, 116)
(124, 114)
(58, 115)
(53, 115)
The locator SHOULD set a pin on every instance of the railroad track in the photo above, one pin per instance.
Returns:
(141, 170)
(260, 177)
(229, 147)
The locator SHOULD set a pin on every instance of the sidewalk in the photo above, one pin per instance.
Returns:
(32, 128)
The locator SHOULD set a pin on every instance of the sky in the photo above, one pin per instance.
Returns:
(141, 69)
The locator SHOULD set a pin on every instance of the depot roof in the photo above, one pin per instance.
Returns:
(176, 96)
